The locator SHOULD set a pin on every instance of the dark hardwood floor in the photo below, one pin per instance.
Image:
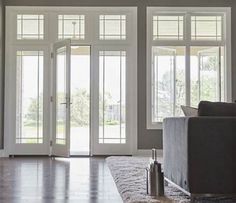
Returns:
(59, 180)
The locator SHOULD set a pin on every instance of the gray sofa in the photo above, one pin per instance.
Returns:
(200, 152)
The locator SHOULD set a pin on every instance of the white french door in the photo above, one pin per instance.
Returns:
(110, 101)
(108, 116)
(61, 99)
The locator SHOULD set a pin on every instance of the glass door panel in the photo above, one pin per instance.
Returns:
(168, 81)
(205, 74)
(61, 103)
(61, 96)
(163, 87)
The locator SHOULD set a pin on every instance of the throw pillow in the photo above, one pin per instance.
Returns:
(189, 111)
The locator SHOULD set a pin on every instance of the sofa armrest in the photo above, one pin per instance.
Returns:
(175, 150)
(200, 153)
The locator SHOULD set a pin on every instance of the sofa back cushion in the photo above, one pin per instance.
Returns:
(206, 108)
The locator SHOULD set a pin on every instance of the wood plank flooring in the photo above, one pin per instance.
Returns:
(59, 180)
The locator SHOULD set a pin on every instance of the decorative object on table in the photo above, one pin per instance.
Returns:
(155, 177)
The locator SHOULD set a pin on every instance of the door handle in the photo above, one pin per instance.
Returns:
(63, 103)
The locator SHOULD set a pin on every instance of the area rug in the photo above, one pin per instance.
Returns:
(130, 178)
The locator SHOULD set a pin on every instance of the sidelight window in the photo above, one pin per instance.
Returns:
(29, 97)
(112, 96)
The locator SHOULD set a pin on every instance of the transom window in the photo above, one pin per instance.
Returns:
(206, 27)
(187, 60)
(71, 26)
(112, 27)
(168, 27)
(30, 27)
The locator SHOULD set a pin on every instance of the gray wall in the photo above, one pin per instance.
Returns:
(146, 138)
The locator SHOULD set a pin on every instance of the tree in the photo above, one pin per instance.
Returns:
(80, 112)
(34, 111)
(164, 88)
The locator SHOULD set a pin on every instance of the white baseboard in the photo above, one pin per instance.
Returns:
(148, 152)
(3, 154)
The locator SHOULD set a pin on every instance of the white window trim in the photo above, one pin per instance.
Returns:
(226, 41)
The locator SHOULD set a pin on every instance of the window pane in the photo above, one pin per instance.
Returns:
(206, 27)
(29, 109)
(30, 27)
(61, 96)
(168, 82)
(206, 75)
(71, 26)
(112, 83)
(168, 27)
(112, 27)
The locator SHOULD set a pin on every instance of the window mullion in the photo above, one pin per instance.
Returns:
(174, 83)
(219, 74)
(187, 59)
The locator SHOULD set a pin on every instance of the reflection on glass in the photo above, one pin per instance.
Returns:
(168, 82)
(80, 98)
(206, 74)
(112, 96)
(61, 96)
(29, 97)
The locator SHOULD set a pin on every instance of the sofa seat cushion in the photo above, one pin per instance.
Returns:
(206, 108)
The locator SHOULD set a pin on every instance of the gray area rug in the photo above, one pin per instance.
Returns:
(130, 178)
